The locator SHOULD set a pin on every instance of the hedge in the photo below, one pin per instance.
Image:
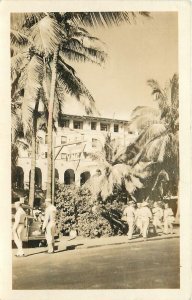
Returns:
(77, 210)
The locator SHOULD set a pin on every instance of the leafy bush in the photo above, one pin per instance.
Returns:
(78, 210)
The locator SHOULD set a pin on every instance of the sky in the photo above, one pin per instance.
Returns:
(136, 53)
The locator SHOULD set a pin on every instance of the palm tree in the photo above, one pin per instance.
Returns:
(51, 34)
(116, 174)
(158, 128)
(26, 93)
(36, 77)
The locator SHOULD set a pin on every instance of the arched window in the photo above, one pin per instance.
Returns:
(84, 177)
(18, 178)
(69, 176)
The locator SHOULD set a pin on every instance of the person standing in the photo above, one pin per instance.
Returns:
(129, 212)
(49, 225)
(146, 215)
(138, 221)
(168, 219)
(157, 216)
(18, 227)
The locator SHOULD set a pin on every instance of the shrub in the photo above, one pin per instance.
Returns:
(78, 210)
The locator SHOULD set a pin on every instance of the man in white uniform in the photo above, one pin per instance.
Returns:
(129, 212)
(18, 228)
(138, 220)
(157, 216)
(146, 215)
(49, 224)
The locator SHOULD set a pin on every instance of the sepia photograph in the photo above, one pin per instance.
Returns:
(96, 150)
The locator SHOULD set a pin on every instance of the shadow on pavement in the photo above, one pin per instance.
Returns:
(36, 253)
(70, 247)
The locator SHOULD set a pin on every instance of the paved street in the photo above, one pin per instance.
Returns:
(150, 264)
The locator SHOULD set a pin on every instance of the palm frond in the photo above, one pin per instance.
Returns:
(75, 86)
(16, 125)
(100, 158)
(144, 116)
(143, 122)
(175, 91)
(21, 20)
(141, 110)
(105, 18)
(156, 89)
(32, 89)
(47, 34)
(90, 52)
(149, 146)
(18, 39)
(18, 62)
(162, 148)
(152, 132)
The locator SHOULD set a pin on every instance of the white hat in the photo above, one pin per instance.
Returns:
(48, 200)
(145, 204)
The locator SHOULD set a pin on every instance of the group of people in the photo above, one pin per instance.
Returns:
(140, 216)
(48, 227)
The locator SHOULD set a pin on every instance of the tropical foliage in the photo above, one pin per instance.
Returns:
(116, 175)
(158, 128)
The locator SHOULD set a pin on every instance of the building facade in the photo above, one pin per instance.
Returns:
(75, 137)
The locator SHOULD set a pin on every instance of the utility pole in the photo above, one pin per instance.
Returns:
(53, 173)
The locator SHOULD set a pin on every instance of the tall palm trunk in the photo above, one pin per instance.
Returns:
(50, 125)
(33, 156)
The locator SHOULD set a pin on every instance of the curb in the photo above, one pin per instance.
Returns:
(125, 242)
(69, 247)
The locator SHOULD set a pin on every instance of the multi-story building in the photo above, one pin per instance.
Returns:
(75, 137)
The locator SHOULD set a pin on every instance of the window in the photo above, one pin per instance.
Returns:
(104, 127)
(93, 125)
(45, 154)
(94, 143)
(116, 128)
(46, 139)
(64, 123)
(77, 125)
(63, 140)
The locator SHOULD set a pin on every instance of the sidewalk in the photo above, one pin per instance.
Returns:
(84, 243)
(65, 243)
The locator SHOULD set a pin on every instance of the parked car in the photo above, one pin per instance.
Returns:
(33, 225)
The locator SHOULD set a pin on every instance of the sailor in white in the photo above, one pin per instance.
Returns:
(129, 212)
(18, 227)
(146, 215)
(49, 224)
(138, 221)
(157, 216)
(168, 219)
